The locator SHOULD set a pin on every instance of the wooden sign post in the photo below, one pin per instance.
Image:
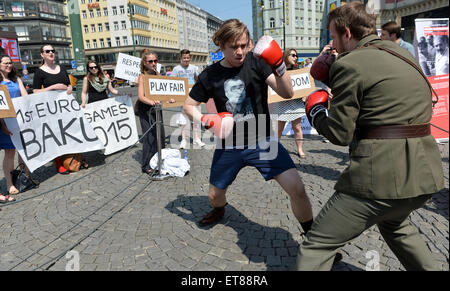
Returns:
(303, 85)
(164, 88)
(6, 106)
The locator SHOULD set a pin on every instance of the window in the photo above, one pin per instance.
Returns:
(116, 25)
(114, 9)
(125, 40)
(91, 13)
(108, 42)
(86, 28)
(271, 4)
(117, 41)
(122, 9)
(94, 43)
(83, 1)
(92, 27)
(100, 27)
(83, 14)
(105, 11)
(124, 24)
(102, 42)
(99, 13)
(272, 23)
(88, 44)
(106, 26)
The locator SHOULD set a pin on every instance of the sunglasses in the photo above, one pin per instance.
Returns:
(152, 61)
(93, 67)
(294, 55)
(49, 51)
(7, 64)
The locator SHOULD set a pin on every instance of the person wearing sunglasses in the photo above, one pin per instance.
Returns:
(9, 77)
(95, 84)
(146, 111)
(51, 76)
(291, 110)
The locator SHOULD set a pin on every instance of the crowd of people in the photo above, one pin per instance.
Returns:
(395, 164)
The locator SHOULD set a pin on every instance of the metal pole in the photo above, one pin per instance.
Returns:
(78, 46)
(159, 176)
(130, 9)
(284, 26)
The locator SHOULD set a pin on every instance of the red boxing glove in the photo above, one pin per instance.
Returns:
(220, 124)
(317, 102)
(270, 52)
(321, 67)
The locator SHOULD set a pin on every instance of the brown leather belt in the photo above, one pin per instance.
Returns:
(394, 131)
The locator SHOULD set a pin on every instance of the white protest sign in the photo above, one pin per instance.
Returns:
(302, 84)
(167, 87)
(49, 125)
(128, 67)
(306, 127)
(114, 122)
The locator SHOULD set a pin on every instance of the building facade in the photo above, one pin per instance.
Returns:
(37, 23)
(213, 24)
(292, 23)
(192, 29)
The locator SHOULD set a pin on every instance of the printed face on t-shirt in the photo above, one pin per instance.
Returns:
(237, 102)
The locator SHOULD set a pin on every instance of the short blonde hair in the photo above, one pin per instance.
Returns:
(230, 31)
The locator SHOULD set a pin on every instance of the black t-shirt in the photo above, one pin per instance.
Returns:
(42, 78)
(242, 92)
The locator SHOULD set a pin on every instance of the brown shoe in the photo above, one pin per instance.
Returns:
(213, 216)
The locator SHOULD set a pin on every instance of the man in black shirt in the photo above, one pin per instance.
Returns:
(239, 84)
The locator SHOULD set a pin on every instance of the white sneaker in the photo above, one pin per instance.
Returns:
(183, 144)
(198, 142)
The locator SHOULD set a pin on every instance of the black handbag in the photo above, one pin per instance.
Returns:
(22, 181)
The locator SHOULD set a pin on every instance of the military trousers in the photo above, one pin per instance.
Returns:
(345, 217)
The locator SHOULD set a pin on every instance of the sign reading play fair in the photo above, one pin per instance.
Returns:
(49, 125)
(128, 67)
(6, 105)
(165, 88)
(302, 83)
(114, 122)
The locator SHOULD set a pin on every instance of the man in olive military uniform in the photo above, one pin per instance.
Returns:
(381, 107)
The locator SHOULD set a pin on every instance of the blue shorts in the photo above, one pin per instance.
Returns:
(270, 162)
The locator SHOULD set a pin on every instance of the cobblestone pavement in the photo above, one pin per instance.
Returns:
(117, 219)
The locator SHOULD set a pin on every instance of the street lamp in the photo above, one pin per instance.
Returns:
(130, 9)
(262, 18)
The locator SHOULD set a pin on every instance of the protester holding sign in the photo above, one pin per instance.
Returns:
(147, 112)
(95, 84)
(291, 110)
(48, 77)
(9, 77)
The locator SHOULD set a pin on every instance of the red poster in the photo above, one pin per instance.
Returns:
(441, 109)
(10, 48)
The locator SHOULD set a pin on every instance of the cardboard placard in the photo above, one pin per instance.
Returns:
(6, 105)
(303, 85)
(164, 88)
(128, 67)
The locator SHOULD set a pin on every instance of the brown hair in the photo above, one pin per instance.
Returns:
(42, 51)
(230, 30)
(185, 52)
(286, 55)
(392, 27)
(353, 16)
(100, 74)
(144, 54)
(13, 75)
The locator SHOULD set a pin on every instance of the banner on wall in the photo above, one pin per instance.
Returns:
(432, 49)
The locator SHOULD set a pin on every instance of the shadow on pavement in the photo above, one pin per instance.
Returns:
(439, 203)
(273, 246)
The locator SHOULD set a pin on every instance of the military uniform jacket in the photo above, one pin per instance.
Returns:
(371, 87)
